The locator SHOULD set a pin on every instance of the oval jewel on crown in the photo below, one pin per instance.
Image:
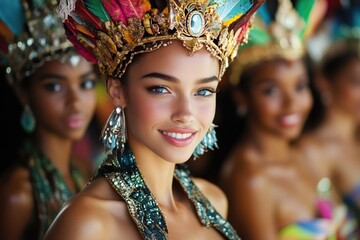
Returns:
(195, 23)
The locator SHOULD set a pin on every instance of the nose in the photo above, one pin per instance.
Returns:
(72, 97)
(183, 110)
(289, 102)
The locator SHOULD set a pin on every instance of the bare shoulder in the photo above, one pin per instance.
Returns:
(214, 194)
(16, 202)
(244, 177)
(95, 213)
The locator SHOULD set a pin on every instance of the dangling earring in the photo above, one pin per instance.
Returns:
(27, 120)
(208, 142)
(113, 135)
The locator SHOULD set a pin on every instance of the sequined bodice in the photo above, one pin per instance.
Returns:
(121, 172)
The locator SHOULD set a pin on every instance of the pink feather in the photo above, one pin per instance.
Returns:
(86, 53)
(134, 8)
(114, 10)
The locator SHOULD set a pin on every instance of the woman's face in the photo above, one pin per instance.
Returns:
(62, 98)
(170, 101)
(345, 89)
(279, 98)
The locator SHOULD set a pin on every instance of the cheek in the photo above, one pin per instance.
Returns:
(49, 107)
(306, 102)
(267, 107)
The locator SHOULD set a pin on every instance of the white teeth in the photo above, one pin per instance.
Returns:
(291, 119)
(177, 135)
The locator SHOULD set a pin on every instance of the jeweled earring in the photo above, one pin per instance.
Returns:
(208, 142)
(27, 120)
(113, 135)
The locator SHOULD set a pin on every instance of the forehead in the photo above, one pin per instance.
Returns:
(279, 71)
(175, 60)
(63, 68)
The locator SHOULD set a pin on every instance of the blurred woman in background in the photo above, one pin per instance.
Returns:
(52, 98)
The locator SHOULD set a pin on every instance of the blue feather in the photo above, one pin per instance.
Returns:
(12, 14)
(231, 8)
(264, 14)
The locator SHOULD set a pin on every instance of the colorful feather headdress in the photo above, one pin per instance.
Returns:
(281, 36)
(111, 32)
(31, 33)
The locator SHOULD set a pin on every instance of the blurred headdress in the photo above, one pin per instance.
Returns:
(31, 33)
(281, 36)
(111, 32)
(344, 30)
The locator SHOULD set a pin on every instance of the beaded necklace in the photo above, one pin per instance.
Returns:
(123, 175)
(49, 188)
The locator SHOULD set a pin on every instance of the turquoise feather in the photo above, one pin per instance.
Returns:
(263, 13)
(12, 14)
(98, 9)
(230, 9)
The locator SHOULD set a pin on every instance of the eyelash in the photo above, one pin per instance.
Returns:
(164, 90)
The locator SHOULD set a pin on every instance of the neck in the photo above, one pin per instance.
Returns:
(158, 175)
(58, 151)
(275, 148)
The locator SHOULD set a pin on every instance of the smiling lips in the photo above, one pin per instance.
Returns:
(74, 122)
(290, 120)
(180, 137)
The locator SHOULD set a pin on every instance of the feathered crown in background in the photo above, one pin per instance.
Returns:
(281, 37)
(31, 34)
(112, 32)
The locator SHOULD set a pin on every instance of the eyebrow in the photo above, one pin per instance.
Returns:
(173, 79)
(62, 77)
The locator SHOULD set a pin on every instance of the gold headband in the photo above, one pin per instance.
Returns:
(283, 37)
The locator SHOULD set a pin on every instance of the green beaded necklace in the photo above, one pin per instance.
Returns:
(50, 190)
(123, 175)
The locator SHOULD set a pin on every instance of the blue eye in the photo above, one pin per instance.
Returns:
(88, 84)
(158, 90)
(205, 92)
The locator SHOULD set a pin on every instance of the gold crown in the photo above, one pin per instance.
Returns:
(195, 22)
(42, 39)
(285, 40)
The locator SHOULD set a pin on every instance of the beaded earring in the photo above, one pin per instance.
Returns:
(27, 120)
(208, 142)
(113, 135)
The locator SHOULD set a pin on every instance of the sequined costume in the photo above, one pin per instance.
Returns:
(123, 175)
(50, 190)
(332, 223)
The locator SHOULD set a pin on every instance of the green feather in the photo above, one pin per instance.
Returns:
(259, 36)
(97, 8)
(304, 7)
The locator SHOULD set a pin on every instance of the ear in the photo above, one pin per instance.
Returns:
(117, 92)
